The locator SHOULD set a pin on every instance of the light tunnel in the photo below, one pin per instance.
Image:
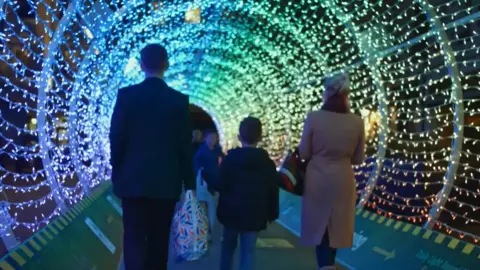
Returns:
(413, 67)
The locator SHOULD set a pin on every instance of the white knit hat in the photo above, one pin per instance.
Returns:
(337, 84)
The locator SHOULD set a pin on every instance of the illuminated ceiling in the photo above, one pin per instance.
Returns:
(412, 64)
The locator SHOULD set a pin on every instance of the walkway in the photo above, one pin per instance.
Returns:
(277, 249)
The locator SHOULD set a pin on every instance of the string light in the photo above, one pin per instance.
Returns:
(412, 65)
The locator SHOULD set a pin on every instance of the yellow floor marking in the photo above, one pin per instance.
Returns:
(63, 221)
(35, 245)
(365, 215)
(389, 222)
(261, 244)
(27, 251)
(439, 239)
(89, 202)
(83, 204)
(41, 239)
(52, 229)
(398, 225)
(407, 228)
(78, 207)
(60, 226)
(381, 219)
(85, 199)
(427, 234)
(48, 235)
(277, 243)
(454, 243)
(71, 214)
(19, 259)
(468, 248)
(76, 211)
(6, 266)
(417, 231)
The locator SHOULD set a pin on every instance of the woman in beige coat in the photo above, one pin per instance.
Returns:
(332, 141)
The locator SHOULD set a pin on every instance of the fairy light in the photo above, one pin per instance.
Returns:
(63, 65)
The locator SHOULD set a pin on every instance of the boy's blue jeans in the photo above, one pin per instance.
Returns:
(248, 242)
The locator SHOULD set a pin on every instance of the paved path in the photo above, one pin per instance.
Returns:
(277, 249)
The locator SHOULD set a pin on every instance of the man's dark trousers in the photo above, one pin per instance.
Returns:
(146, 233)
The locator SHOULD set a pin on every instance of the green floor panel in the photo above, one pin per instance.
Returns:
(382, 243)
(71, 244)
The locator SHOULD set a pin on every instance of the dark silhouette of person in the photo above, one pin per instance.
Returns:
(197, 140)
(151, 157)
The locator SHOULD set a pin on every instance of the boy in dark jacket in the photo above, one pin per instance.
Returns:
(248, 200)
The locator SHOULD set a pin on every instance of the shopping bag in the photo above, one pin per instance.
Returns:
(190, 230)
(203, 195)
(292, 173)
(206, 200)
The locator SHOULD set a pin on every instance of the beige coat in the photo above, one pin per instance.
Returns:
(332, 142)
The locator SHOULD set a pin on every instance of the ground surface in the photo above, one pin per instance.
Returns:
(277, 249)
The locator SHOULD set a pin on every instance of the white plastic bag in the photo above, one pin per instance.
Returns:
(203, 195)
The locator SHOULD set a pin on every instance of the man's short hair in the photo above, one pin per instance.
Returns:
(251, 130)
(154, 57)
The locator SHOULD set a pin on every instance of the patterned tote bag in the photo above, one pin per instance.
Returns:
(190, 230)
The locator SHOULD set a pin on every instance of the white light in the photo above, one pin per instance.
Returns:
(88, 33)
(271, 69)
(193, 15)
(131, 65)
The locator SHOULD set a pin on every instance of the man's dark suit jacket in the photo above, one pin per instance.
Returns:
(151, 142)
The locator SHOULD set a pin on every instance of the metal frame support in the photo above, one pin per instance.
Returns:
(43, 87)
(8, 237)
(457, 99)
(98, 28)
(382, 136)
(381, 97)
(393, 49)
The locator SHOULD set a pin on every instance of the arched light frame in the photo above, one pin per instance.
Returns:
(457, 142)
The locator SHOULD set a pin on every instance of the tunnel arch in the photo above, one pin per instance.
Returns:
(267, 59)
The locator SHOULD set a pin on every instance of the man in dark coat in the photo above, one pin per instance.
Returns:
(151, 157)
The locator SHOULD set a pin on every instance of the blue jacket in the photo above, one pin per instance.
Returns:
(151, 142)
(208, 160)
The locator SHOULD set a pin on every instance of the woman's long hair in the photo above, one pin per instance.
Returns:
(337, 103)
